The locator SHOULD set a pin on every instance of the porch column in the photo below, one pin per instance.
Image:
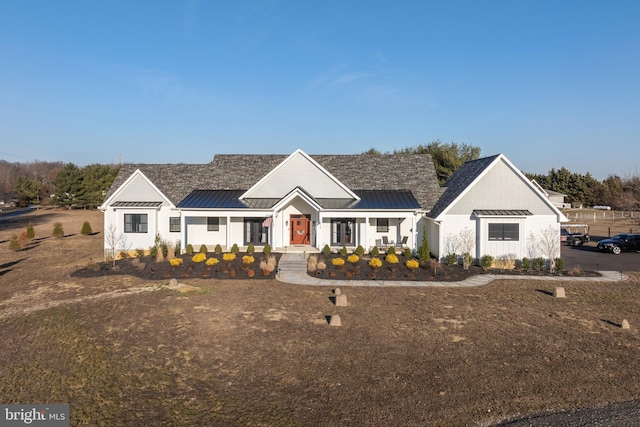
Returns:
(228, 232)
(414, 232)
(183, 232)
(366, 234)
(318, 231)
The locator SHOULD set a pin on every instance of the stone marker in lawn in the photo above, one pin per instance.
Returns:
(559, 292)
(335, 321)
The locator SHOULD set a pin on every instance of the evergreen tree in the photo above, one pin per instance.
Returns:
(68, 185)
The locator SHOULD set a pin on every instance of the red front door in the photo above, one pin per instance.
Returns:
(299, 230)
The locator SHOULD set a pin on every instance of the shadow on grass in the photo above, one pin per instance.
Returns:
(612, 323)
(544, 291)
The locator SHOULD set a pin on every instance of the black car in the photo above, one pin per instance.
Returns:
(620, 242)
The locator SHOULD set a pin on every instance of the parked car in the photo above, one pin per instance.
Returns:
(619, 243)
(574, 234)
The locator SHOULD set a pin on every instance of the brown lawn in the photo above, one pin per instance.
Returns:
(123, 350)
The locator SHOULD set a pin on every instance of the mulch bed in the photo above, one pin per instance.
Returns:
(442, 273)
(147, 268)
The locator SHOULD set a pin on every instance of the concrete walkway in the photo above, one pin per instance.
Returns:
(292, 268)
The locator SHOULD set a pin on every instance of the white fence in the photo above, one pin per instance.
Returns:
(594, 216)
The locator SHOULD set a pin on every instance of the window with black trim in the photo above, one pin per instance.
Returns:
(213, 223)
(382, 225)
(504, 231)
(135, 223)
(174, 224)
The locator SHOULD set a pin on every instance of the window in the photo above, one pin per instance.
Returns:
(213, 223)
(174, 224)
(507, 231)
(255, 232)
(342, 231)
(382, 225)
(135, 223)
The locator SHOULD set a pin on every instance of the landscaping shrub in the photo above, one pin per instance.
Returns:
(467, 259)
(312, 263)
(153, 251)
(199, 257)
(171, 252)
(229, 256)
(343, 251)
(177, 248)
(189, 249)
(375, 262)
(175, 262)
(247, 260)
(86, 228)
(218, 249)
(251, 249)
(139, 252)
(539, 264)
(375, 251)
(267, 249)
(23, 239)
(359, 250)
(326, 250)
(338, 262)
(14, 243)
(412, 264)
(559, 262)
(58, 231)
(526, 264)
(391, 251)
(203, 249)
(486, 262)
(212, 261)
(423, 250)
(391, 258)
(353, 258)
(407, 253)
(31, 233)
(235, 249)
(268, 264)
(451, 259)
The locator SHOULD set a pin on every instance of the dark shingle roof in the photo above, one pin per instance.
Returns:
(502, 212)
(415, 172)
(459, 181)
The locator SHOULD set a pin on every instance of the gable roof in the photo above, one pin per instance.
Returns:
(470, 172)
(460, 181)
(415, 172)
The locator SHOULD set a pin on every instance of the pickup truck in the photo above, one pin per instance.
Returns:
(574, 234)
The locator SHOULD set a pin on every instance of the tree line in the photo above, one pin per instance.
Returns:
(68, 185)
(580, 190)
(55, 183)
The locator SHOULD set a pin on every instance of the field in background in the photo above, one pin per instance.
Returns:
(603, 224)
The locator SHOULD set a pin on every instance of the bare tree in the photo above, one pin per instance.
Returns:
(549, 245)
(466, 243)
(451, 244)
(532, 246)
(115, 242)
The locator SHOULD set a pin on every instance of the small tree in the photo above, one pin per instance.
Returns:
(115, 242)
(375, 251)
(466, 243)
(235, 249)
(14, 243)
(58, 232)
(359, 250)
(203, 249)
(267, 249)
(218, 249)
(30, 232)
(251, 249)
(86, 228)
(326, 250)
(549, 245)
(423, 250)
(189, 249)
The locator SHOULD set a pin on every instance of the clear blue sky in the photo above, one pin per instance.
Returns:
(547, 83)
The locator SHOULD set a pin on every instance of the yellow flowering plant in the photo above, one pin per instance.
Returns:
(212, 261)
(247, 259)
(337, 262)
(229, 256)
(391, 259)
(412, 264)
(375, 262)
(199, 257)
(175, 262)
(353, 258)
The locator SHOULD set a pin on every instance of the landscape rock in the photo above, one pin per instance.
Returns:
(558, 292)
(335, 321)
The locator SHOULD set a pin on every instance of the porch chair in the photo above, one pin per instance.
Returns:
(401, 244)
(385, 242)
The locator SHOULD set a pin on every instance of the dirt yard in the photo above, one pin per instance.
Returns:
(125, 350)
